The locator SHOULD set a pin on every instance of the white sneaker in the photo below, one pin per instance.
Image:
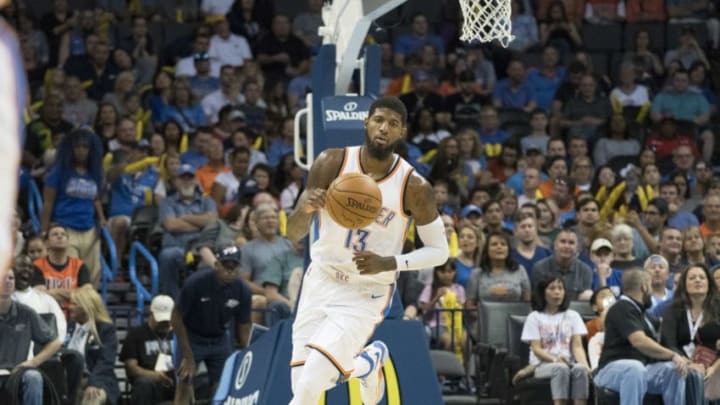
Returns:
(372, 386)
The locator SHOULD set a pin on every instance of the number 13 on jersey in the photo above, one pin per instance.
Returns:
(356, 239)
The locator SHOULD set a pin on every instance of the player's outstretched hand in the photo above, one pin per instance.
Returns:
(315, 199)
(369, 263)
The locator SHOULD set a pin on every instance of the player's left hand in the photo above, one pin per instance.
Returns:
(371, 263)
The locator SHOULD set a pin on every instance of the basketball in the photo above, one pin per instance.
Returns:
(353, 200)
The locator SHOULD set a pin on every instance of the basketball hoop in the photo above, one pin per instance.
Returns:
(486, 20)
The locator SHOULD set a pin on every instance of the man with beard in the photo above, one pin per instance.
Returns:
(653, 220)
(631, 343)
(587, 214)
(182, 216)
(38, 300)
(358, 265)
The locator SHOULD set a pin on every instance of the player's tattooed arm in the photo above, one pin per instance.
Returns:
(323, 171)
(420, 200)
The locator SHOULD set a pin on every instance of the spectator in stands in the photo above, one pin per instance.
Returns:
(443, 294)
(412, 42)
(202, 82)
(682, 104)
(556, 168)
(604, 273)
(621, 237)
(562, 195)
(257, 253)
(281, 54)
(699, 82)
(226, 47)
(58, 273)
(628, 93)
(207, 303)
(40, 301)
(71, 197)
(548, 222)
(422, 95)
(588, 222)
(565, 264)
(35, 247)
(515, 91)
(586, 112)
(147, 354)
(491, 135)
(132, 180)
(225, 187)
(465, 105)
(538, 137)
(525, 28)
(207, 173)
(251, 19)
(492, 217)
(41, 131)
(183, 108)
(694, 248)
(546, 79)
(558, 26)
(280, 282)
(667, 139)
(504, 165)
(96, 68)
(601, 300)
(470, 251)
(654, 218)
(186, 67)
(229, 93)
(582, 172)
(499, 277)
(306, 24)
(711, 216)
(692, 322)
(22, 326)
(677, 218)
(531, 182)
(484, 70)
(196, 155)
(92, 335)
(182, 216)
(555, 333)
(77, 108)
(688, 51)
(604, 12)
(425, 132)
(617, 143)
(670, 247)
(527, 250)
(630, 343)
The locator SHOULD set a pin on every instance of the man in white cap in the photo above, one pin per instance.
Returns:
(601, 255)
(147, 354)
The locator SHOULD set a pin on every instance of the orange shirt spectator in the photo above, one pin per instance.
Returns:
(206, 176)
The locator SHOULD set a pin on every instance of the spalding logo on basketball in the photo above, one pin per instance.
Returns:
(354, 200)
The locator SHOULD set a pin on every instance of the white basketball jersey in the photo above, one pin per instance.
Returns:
(335, 245)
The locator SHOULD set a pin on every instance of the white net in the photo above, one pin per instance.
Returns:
(486, 20)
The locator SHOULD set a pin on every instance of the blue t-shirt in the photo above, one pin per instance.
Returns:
(207, 307)
(128, 191)
(545, 87)
(194, 159)
(515, 181)
(683, 220)
(528, 264)
(462, 273)
(278, 149)
(614, 281)
(681, 106)
(74, 201)
(189, 117)
(513, 98)
(408, 43)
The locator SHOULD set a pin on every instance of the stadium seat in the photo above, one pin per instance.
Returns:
(583, 308)
(142, 222)
(602, 37)
(656, 30)
(448, 366)
(530, 390)
(492, 314)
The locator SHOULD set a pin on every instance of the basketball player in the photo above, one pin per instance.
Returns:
(13, 90)
(350, 280)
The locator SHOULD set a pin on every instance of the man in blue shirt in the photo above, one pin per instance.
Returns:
(413, 42)
(546, 80)
(208, 303)
(182, 216)
(515, 91)
(677, 218)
